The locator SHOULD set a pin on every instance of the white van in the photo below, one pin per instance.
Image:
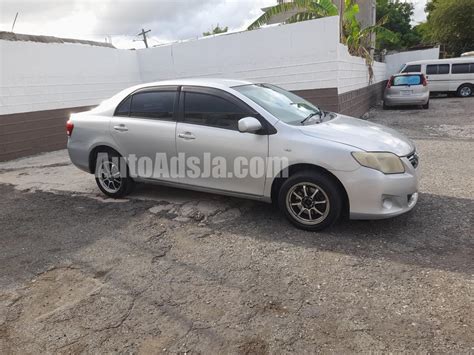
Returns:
(455, 75)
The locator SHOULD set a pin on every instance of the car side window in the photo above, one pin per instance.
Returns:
(437, 69)
(153, 104)
(211, 110)
(462, 68)
(431, 69)
(443, 69)
(412, 68)
(124, 108)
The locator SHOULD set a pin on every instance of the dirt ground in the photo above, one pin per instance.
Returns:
(173, 271)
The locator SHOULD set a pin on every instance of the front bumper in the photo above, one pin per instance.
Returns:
(375, 195)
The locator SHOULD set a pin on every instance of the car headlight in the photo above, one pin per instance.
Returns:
(387, 163)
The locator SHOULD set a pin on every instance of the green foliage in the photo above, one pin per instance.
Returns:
(215, 31)
(450, 23)
(398, 17)
(305, 10)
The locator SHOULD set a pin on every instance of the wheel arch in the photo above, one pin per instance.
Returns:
(296, 168)
(97, 149)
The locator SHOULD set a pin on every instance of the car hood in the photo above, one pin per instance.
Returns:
(360, 134)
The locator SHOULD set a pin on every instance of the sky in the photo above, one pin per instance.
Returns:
(121, 20)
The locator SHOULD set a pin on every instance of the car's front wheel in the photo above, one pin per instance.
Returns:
(310, 200)
(111, 174)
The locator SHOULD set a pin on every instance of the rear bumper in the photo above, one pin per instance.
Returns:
(391, 100)
(374, 195)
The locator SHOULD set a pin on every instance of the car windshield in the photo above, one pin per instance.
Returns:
(282, 104)
(406, 80)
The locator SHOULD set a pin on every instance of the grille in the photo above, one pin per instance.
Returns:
(413, 158)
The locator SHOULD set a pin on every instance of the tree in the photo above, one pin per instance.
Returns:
(304, 10)
(215, 31)
(398, 17)
(451, 23)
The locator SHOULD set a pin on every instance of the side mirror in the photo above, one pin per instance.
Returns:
(249, 124)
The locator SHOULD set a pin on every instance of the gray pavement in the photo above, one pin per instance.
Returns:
(174, 271)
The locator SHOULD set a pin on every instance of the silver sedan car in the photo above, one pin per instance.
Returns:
(407, 89)
(254, 141)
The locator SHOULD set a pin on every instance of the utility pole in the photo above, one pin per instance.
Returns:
(143, 33)
(14, 21)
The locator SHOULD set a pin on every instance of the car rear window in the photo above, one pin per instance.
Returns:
(403, 80)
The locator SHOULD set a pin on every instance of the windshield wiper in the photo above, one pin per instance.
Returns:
(312, 115)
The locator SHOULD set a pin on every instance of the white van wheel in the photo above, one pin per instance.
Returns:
(465, 90)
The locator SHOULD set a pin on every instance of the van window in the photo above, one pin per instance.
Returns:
(463, 68)
(412, 68)
(437, 69)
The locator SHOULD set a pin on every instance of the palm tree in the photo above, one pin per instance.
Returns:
(305, 10)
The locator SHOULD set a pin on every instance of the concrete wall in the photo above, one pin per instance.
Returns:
(41, 76)
(396, 60)
(297, 56)
(41, 83)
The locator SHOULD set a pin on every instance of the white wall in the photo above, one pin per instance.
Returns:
(307, 55)
(296, 56)
(353, 72)
(40, 76)
(395, 61)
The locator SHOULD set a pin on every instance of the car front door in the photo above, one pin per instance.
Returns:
(207, 130)
(144, 128)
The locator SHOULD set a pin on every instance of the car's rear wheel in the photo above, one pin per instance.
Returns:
(385, 107)
(111, 174)
(465, 90)
(310, 200)
(427, 105)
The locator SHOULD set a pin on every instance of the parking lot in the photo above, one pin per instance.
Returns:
(174, 271)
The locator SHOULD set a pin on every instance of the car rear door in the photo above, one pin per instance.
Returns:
(143, 126)
(207, 129)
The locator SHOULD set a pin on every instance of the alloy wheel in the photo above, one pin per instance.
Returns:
(109, 176)
(308, 203)
(465, 91)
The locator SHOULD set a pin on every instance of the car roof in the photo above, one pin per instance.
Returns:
(442, 61)
(209, 82)
(408, 73)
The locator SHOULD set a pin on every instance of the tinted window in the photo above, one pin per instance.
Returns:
(406, 80)
(124, 108)
(210, 110)
(153, 104)
(461, 68)
(437, 69)
(431, 69)
(412, 68)
(443, 69)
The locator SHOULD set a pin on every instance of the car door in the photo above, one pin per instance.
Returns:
(144, 128)
(438, 77)
(207, 129)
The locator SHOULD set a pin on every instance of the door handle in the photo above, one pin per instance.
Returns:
(121, 128)
(186, 135)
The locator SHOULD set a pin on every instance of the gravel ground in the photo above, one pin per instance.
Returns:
(173, 271)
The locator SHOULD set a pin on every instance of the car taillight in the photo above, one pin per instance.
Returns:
(69, 128)
(389, 82)
(423, 80)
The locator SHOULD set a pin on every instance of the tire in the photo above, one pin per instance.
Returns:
(312, 213)
(465, 90)
(385, 107)
(427, 105)
(115, 187)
